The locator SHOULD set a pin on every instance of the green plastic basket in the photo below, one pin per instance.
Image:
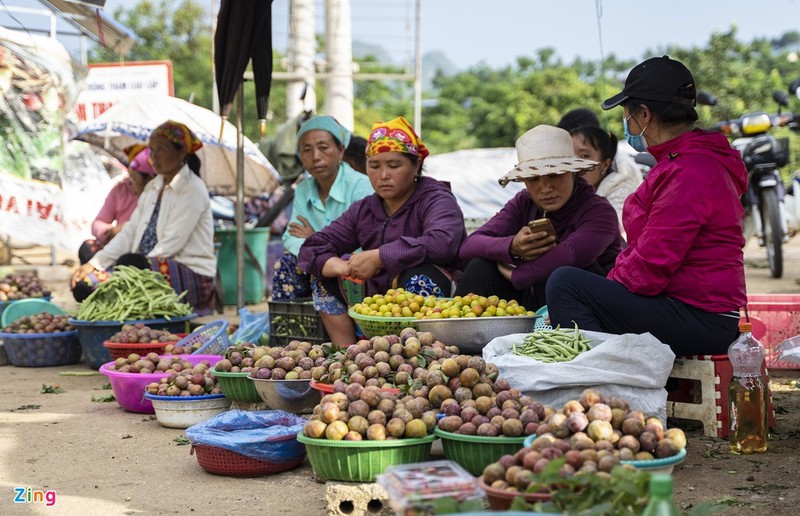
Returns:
(373, 326)
(474, 452)
(26, 307)
(362, 461)
(236, 386)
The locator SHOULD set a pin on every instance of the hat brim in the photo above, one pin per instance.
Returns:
(543, 167)
(614, 101)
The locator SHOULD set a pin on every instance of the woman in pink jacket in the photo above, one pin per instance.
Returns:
(681, 278)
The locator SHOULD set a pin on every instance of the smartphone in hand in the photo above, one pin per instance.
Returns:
(539, 225)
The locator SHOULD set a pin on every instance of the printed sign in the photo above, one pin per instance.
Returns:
(108, 82)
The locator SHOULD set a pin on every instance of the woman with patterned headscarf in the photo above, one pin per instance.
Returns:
(410, 230)
(171, 230)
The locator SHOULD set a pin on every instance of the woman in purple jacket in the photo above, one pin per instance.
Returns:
(681, 278)
(410, 230)
(509, 260)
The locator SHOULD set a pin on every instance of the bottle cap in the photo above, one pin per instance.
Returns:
(745, 326)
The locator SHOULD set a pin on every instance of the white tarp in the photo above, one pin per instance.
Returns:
(473, 176)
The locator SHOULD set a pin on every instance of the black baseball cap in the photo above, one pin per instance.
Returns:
(659, 78)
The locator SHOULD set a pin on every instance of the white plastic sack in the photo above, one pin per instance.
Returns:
(790, 350)
(632, 367)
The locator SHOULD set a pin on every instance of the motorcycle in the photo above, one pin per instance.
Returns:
(763, 155)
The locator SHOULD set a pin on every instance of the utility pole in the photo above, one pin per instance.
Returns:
(339, 57)
(301, 58)
(418, 69)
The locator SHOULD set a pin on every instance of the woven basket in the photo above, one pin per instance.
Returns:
(378, 326)
(236, 386)
(474, 452)
(221, 461)
(213, 336)
(122, 349)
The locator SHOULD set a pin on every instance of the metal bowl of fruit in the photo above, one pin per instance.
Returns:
(295, 396)
(471, 334)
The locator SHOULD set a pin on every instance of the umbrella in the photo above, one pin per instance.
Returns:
(244, 31)
(133, 118)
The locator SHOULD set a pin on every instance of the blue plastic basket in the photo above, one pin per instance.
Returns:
(542, 321)
(213, 336)
(93, 334)
(42, 349)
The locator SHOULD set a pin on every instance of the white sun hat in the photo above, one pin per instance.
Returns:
(545, 150)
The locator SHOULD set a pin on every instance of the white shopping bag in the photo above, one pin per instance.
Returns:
(632, 367)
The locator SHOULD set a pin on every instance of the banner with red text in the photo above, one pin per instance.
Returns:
(50, 191)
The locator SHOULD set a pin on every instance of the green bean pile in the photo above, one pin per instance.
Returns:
(554, 345)
(131, 293)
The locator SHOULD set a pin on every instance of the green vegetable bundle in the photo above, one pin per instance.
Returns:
(131, 293)
(554, 345)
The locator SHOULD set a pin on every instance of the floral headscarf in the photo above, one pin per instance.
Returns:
(179, 134)
(396, 135)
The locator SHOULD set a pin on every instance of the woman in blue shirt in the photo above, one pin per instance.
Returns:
(319, 199)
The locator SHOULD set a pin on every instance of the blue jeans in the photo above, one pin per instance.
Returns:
(600, 304)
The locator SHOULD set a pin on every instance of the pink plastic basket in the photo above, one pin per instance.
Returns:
(129, 388)
(780, 314)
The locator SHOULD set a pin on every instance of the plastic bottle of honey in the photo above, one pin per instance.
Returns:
(747, 394)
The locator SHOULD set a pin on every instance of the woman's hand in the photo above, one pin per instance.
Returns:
(505, 270)
(83, 271)
(336, 268)
(529, 246)
(114, 231)
(365, 265)
(301, 229)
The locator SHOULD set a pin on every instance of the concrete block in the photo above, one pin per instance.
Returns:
(356, 499)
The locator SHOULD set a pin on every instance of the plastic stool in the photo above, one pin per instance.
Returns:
(709, 405)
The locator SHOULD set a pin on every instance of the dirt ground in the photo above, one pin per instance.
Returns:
(100, 459)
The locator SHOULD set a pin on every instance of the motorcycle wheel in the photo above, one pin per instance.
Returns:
(773, 234)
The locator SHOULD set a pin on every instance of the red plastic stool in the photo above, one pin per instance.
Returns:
(709, 403)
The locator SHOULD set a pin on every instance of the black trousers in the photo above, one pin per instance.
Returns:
(483, 278)
(596, 303)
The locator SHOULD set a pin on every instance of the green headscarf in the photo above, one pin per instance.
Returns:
(326, 123)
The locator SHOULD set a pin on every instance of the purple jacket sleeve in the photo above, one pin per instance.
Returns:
(337, 238)
(596, 230)
(443, 231)
(493, 240)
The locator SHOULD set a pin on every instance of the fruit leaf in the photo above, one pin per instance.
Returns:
(104, 399)
(51, 389)
(331, 350)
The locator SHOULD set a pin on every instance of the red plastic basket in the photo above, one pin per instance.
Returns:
(123, 349)
(780, 314)
(221, 461)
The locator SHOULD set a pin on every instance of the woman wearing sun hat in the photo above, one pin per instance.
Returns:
(331, 187)
(509, 260)
(681, 278)
(410, 230)
(171, 230)
(120, 202)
